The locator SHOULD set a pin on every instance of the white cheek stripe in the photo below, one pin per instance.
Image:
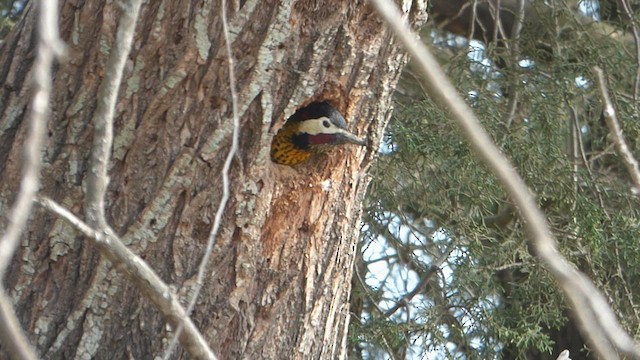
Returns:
(315, 127)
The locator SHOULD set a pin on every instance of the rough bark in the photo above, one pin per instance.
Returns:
(279, 280)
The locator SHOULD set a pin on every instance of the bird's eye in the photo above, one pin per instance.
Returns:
(326, 123)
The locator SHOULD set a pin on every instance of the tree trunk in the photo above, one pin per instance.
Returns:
(278, 282)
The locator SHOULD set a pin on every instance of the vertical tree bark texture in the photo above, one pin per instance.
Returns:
(279, 280)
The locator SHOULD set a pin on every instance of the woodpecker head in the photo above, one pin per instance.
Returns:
(313, 129)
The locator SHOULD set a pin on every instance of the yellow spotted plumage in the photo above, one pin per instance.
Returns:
(313, 129)
(283, 151)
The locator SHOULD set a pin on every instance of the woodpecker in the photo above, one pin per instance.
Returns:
(313, 129)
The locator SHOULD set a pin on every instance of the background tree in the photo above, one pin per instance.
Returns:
(277, 284)
(446, 271)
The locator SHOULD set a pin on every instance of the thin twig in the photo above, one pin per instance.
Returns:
(49, 46)
(626, 281)
(576, 148)
(597, 321)
(422, 284)
(374, 304)
(226, 193)
(515, 54)
(583, 157)
(142, 276)
(616, 132)
(97, 177)
(636, 37)
(474, 19)
(497, 25)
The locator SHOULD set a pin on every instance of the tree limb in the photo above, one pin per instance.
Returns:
(616, 132)
(97, 177)
(143, 277)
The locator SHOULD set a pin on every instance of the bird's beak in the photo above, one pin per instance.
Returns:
(347, 137)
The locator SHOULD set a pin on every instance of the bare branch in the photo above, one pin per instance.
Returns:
(636, 38)
(577, 138)
(598, 322)
(616, 132)
(515, 54)
(49, 46)
(204, 264)
(564, 355)
(142, 276)
(419, 288)
(497, 25)
(97, 178)
(11, 335)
